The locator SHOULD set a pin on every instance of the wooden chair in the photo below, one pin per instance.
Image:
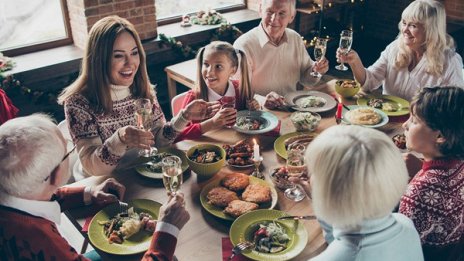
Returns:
(176, 103)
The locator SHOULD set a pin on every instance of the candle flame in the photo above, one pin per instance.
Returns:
(254, 140)
(339, 100)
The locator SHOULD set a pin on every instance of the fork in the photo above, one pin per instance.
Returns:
(239, 248)
(123, 207)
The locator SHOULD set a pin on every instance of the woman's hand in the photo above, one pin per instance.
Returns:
(274, 100)
(225, 116)
(199, 110)
(321, 66)
(136, 138)
(350, 58)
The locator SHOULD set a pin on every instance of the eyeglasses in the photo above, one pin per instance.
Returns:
(64, 157)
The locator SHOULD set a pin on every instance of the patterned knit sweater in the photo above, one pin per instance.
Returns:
(434, 201)
(95, 134)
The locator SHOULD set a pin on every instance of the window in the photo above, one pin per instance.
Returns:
(29, 26)
(170, 10)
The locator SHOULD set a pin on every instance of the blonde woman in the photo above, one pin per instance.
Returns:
(423, 55)
(99, 105)
(357, 178)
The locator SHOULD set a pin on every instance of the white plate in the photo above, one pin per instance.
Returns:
(268, 119)
(380, 124)
(293, 97)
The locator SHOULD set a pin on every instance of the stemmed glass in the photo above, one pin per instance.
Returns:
(346, 39)
(143, 118)
(319, 53)
(296, 167)
(172, 173)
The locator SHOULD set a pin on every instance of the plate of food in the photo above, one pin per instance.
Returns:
(236, 194)
(255, 122)
(290, 139)
(312, 101)
(152, 169)
(116, 234)
(274, 240)
(240, 154)
(364, 116)
(391, 105)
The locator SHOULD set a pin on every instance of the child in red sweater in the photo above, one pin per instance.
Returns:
(434, 199)
(217, 63)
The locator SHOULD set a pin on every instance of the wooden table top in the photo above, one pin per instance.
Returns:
(200, 239)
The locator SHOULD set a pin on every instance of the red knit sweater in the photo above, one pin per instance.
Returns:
(434, 201)
(27, 237)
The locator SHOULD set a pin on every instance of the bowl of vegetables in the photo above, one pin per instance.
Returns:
(347, 88)
(305, 120)
(206, 159)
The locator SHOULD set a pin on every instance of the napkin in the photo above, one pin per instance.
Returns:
(227, 251)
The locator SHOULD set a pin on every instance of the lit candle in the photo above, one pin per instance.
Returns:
(255, 151)
(338, 115)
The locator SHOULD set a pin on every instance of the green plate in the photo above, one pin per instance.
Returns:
(402, 104)
(380, 112)
(279, 143)
(219, 212)
(244, 226)
(137, 243)
(144, 169)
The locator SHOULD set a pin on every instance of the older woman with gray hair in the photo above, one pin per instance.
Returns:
(357, 178)
(423, 55)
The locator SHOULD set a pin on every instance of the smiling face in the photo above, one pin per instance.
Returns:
(413, 34)
(125, 60)
(216, 70)
(420, 137)
(275, 15)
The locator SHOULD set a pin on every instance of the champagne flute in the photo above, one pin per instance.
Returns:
(172, 173)
(346, 39)
(143, 118)
(296, 167)
(319, 53)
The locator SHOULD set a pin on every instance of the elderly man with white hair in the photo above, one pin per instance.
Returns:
(33, 168)
(277, 56)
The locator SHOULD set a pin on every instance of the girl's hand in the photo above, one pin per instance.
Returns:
(321, 66)
(253, 105)
(351, 57)
(225, 116)
(199, 110)
(136, 138)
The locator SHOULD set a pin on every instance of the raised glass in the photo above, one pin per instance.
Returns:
(319, 53)
(172, 173)
(346, 40)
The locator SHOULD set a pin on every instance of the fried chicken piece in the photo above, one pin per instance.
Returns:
(237, 208)
(257, 193)
(221, 197)
(236, 181)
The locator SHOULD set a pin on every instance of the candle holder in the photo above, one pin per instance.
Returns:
(338, 120)
(256, 172)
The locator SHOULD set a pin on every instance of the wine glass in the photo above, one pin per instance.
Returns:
(228, 102)
(296, 167)
(143, 118)
(346, 39)
(172, 173)
(319, 53)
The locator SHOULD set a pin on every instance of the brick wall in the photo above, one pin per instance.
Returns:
(455, 9)
(84, 13)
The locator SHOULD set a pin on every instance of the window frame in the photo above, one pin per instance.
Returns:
(178, 18)
(50, 44)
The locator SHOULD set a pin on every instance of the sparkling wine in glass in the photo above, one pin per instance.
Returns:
(346, 39)
(296, 167)
(319, 53)
(172, 173)
(143, 118)
(228, 102)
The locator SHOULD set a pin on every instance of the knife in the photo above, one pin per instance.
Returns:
(297, 217)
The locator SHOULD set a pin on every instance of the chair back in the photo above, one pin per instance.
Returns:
(176, 103)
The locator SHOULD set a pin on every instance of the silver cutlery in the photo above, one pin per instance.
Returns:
(297, 217)
(239, 248)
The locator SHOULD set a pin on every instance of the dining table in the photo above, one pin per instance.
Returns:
(201, 238)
